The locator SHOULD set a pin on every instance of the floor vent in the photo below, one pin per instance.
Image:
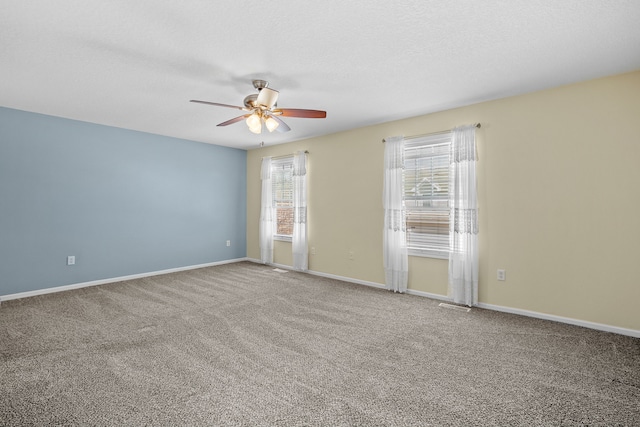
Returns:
(279, 270)
(455, 307)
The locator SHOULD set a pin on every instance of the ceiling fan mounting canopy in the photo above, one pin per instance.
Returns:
(260, 84)
(261, 108)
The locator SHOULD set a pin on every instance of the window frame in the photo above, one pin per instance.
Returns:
(278, 164)
(445, 139)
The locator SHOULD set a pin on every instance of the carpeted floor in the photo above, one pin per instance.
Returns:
(242, 344)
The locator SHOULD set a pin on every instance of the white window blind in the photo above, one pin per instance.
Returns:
(426, 194)
(282, 179)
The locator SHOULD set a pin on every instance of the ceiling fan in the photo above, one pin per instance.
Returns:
(261, 109)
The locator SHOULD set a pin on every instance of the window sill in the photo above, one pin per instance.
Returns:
(282, 238)
(424, 253)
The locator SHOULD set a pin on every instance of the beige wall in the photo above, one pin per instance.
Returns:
(558, 180)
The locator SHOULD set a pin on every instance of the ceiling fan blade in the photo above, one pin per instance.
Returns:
(297, 112)
(267, 97)
(234, 120)
(219, 105)
(283, 127)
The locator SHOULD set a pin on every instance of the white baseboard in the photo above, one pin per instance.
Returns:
(318, 273)
(346, 279)
(113, 280)
(429, 295)
(518, 311)
(568, 320)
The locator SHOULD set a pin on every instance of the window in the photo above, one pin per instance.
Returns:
(426, 194)
(282, 181)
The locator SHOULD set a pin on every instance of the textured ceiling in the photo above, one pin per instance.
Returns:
(136, 64)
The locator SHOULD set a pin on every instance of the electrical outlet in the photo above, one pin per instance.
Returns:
(502, 274)
(228, 242)
(71, 260)
(313, 250)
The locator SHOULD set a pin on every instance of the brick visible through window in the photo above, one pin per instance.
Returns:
(285, 221)
(282, 179)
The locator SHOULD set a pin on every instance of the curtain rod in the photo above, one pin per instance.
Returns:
(284, 155)
(478, 125)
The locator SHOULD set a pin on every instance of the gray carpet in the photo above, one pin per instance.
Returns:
(241, 344)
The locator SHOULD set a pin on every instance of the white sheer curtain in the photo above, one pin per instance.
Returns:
(299, 243)
(396, 260)
(267, 216)
(463, 226)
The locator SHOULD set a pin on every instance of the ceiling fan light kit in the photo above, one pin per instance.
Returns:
(255, 123)
(262, 108)
(255, 120)
(271, 124)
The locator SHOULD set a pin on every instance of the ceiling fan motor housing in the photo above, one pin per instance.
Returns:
(250, 100)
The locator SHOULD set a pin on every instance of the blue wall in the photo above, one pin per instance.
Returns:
(123, 202)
